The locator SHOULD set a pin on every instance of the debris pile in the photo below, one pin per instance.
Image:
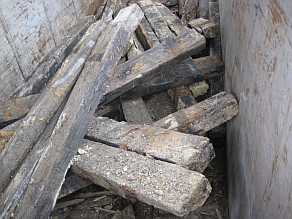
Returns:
(125, 58)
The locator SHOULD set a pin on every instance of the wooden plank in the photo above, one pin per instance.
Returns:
(163, 185)
(189, 151)
(146, 65)
(135, 110)
(203, 116)
(186, 72)
(16, 108)
(7, 132)
(55, 160)
(108, 11)
(35, 121)
(190, 10)
(51, 64)
(206, 27)
(203, 9)
(181, 97)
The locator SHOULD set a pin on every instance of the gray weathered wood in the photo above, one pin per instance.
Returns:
(16, 108)
(108, 11)
(206, 27)
(215, 43)
(72, 183)
(146, 65)
(189, 151)
(190, 10)
(35, 122)
(186, 72)
(163, 185)
(135, 110)
(72, 124)
(203, 116)
(51, 64)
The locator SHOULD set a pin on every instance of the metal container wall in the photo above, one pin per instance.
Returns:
(257, 51)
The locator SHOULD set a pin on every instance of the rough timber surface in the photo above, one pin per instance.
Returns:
(163, 185)
(35, 122)
(183, 73)
(189, 151)
(203, 116)
(72, 124)
(190, 10)
(146, 65)
(135, 110)
(206, 27)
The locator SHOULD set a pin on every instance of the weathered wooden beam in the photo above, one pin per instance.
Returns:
(108, 11)
(16, 108)
(146, 65)
(49, 174)
(186, 72)
(215, 43)
(135, 110)
(146, 35)
(163, 185)
(189, 151)
(35, 122)
(203, 116)
(206, 27)
(181, 97)
(190, 10)
(7, 132)
(51, 64)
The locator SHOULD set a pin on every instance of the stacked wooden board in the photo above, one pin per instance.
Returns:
(137, 159)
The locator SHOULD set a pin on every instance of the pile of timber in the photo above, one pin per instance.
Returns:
(129, 53)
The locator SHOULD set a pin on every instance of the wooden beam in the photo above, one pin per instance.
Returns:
(163, 185)
(135, 110)
(189, 151)
(146, 65)
(186, 72)
(108, 11)
(35, 122)
(206, 27)
(72, 124)
(203, 116)
(190, 10)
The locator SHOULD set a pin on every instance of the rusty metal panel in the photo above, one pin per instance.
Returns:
(29, 30)
(257, 50)
(10, 74)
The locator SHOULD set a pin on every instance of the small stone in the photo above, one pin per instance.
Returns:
(81, 151)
